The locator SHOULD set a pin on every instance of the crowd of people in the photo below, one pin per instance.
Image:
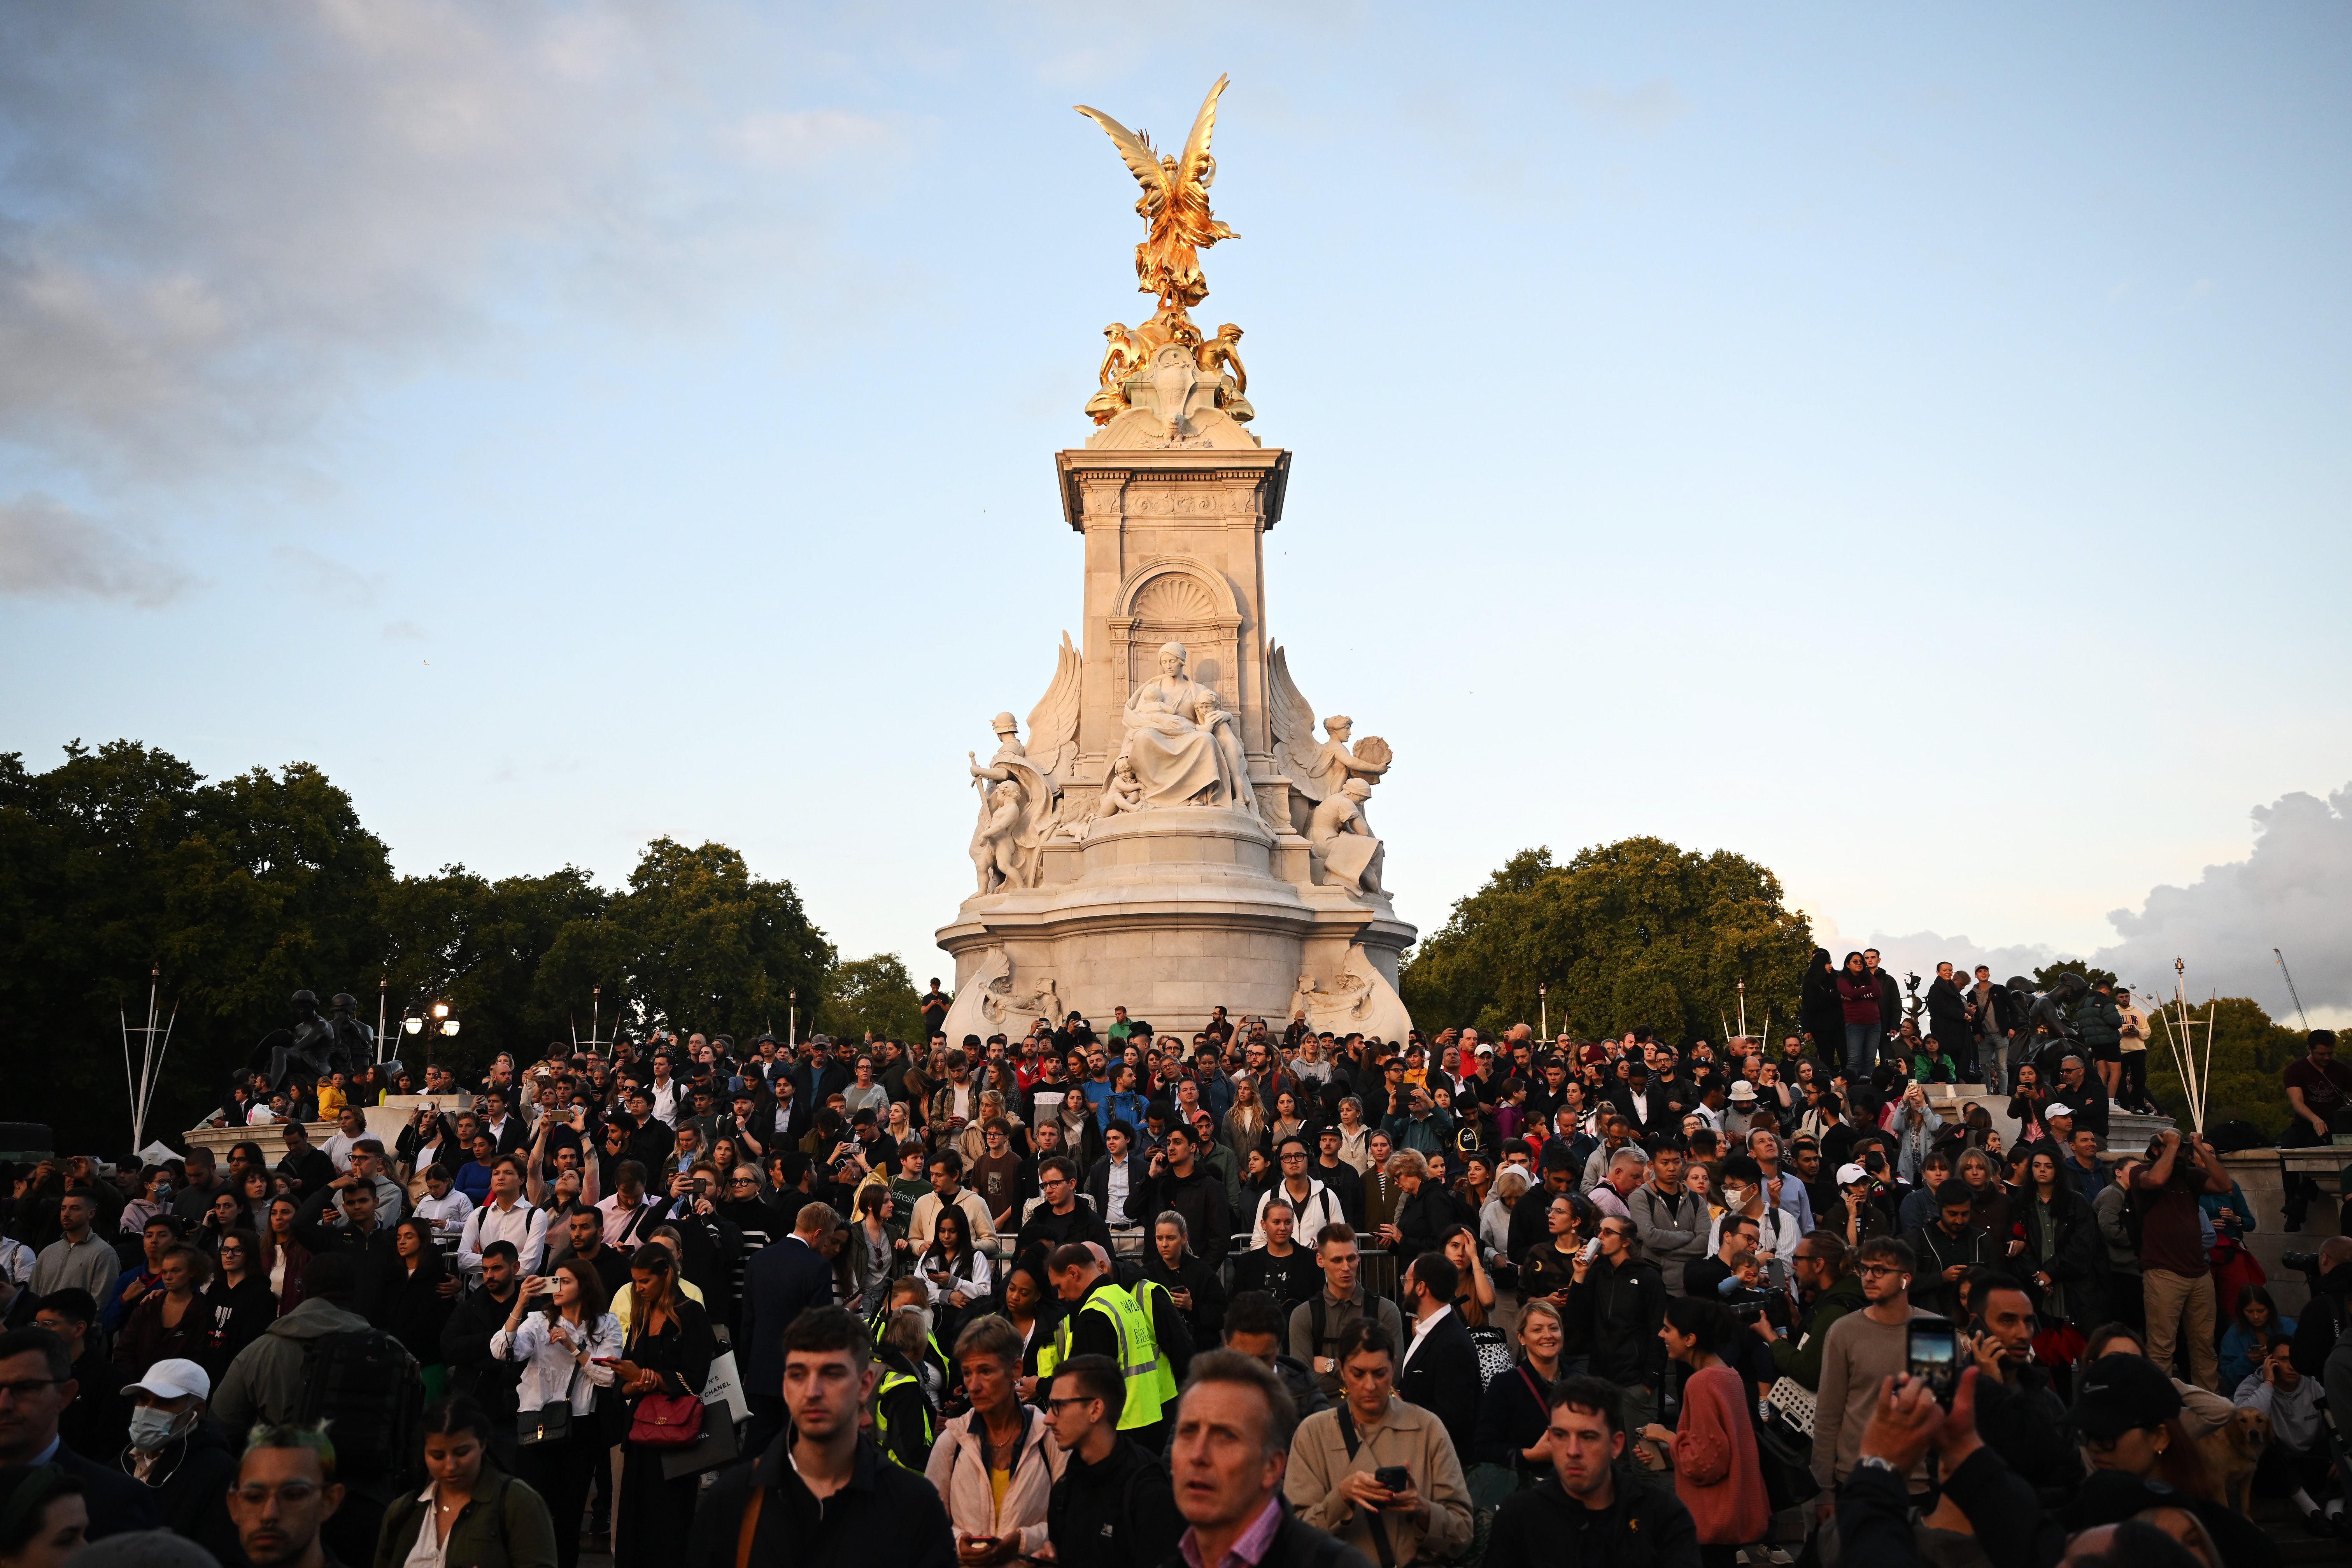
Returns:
(1245, 1294)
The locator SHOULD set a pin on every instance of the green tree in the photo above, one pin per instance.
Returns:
(515, 958)
(2241, 1082)
(241, 892)
(711, 947)
(874, 993)
(2047, 976)
(1633, 932)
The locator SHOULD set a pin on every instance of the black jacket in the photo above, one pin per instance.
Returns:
(466, 1347)
(1139, 1178)
(1620, 1311)
(1045, 1230)
(1443, 1379)
(1201, 1199)
(1646, 1526)
(187, 1489)
(1205, 1323)
(1116, 1514)
(783, 1281)
(1290, 1280)
(1937, 1251)
(117, 1503)
(1297, 1545)
(886, 1514)
(1423, 1218)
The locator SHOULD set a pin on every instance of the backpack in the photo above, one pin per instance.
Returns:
(371, 1393)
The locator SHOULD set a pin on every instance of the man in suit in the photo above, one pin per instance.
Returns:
(1440, 1370)
(36, 1366)
(782, 1281)
(507, 1135)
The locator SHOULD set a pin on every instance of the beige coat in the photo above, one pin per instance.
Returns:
(960, 1474)
(1407, 1436)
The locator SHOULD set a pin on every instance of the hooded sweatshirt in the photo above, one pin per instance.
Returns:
(265, 1382)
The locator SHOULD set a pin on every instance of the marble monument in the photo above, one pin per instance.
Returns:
(1173, 836)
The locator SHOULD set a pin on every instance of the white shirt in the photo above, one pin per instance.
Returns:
(1420, 1331)
(339, 1149)
(447, 1215)
(1115, 1190)
(521, 1225)
(549, 1372)
(430, 1547)
(666, 1096)
(1321, 1207)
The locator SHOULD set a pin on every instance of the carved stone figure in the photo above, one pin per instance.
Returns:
(1211, 713)
(1343, 841)
(1120, 792)
(1174, 206)
(1009, 852)
(1315, 770)
(1175, 758)
(995, 849)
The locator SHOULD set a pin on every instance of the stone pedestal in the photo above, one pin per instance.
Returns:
(1178, 909)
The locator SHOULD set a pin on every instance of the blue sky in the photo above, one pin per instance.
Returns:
(1909, 450)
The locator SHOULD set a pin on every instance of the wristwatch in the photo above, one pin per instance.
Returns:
(1878, 1462)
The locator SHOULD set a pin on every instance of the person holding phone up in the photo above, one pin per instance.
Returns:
(1377, 1472)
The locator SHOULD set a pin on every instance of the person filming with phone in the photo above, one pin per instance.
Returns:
(1377, 1472)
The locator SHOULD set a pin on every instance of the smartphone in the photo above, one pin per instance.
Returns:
(1393, 1477)
(1933, 1353)
(606, 1360)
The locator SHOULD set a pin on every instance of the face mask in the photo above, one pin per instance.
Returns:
(151, 1428)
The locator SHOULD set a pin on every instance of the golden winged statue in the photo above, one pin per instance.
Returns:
(1174, 205)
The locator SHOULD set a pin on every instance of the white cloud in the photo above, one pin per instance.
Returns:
(49, 551)
(2293, 892)
(219, 224)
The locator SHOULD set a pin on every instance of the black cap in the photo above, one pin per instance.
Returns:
(2121, 1394)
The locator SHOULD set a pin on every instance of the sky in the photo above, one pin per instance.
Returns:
(1906, 447)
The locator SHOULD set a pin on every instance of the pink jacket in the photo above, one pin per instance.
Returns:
(1716, 1470)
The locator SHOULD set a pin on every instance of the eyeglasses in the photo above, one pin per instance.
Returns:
(1056, 1404)
(253, 1494)
(1878, 1271)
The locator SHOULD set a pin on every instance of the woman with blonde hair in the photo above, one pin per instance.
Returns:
(992, 1466)
(666, 1356)
(1244, 1126)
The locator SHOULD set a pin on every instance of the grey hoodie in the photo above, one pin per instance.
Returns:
(265, 1382)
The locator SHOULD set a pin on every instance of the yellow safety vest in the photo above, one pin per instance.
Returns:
(1167, 1374)
(892, 1382)
(1139, 1355)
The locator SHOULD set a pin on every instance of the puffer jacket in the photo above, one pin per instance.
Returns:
(958, 1471)
(2097, 1021)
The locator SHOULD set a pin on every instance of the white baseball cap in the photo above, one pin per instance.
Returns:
(174, 1378)
(2050, 1111)
(1850, 1174)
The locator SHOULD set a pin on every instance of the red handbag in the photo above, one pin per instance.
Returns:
(667, 1421)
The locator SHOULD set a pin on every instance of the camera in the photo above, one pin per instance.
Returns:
(1746, 1312)
(2301, 1262)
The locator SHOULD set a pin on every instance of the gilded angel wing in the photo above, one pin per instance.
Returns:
(1054, 722)
(1136, 150)
(1196, 164)
(1295, 751)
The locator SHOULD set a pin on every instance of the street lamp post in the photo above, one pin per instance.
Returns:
(1543, 1000)
(437, 1021)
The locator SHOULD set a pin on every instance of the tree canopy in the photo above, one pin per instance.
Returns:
(1638, 931)
(243, 891)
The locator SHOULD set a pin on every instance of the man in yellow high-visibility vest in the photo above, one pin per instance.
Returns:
(1104, 1319)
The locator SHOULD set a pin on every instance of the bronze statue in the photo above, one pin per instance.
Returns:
(315, 1047)
(1174, 206)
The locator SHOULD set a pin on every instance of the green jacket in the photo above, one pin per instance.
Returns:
(2098, 1018)
(505, 1526)
(1799, 1355)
